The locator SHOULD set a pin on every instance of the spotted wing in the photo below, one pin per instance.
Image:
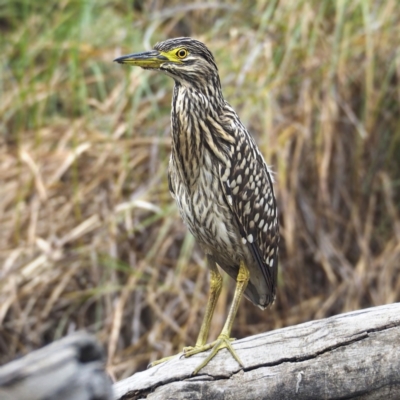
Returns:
(247, 185)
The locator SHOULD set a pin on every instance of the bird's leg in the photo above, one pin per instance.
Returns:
(224, 341)
(215, 290)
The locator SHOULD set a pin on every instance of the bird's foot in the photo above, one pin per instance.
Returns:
(223, 342)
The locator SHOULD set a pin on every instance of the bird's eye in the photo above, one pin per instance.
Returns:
(182, 53)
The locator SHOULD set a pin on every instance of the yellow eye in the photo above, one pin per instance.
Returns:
(181, 53)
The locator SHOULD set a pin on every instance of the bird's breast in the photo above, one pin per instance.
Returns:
(204, 210)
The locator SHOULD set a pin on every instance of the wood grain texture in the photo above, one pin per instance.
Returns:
(69, 369)
(349, 356)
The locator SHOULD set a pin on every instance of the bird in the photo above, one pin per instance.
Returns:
(221, 183)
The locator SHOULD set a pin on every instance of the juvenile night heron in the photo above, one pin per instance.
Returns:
(220, 182)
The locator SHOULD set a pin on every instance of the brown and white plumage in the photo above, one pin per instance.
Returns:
(217, 175)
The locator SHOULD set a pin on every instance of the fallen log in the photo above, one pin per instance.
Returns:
(69, 369)
(349, 356)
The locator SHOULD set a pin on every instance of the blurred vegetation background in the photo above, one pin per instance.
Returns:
(90, 237)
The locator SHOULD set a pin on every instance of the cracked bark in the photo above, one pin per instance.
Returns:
(350, 356)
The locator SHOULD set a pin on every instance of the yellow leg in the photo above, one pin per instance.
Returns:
(224, 340)
(215, 290)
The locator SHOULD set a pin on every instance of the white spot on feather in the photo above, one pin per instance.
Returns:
(226, 174)
(247, 208)
(271, 263)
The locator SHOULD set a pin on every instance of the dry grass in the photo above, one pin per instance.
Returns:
(90, 237)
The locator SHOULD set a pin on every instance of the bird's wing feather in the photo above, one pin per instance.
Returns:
(247, 186)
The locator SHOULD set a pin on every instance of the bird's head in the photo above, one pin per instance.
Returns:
(186, 60)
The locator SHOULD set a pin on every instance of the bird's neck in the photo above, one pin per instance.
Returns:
(193, 117)
(189, 108)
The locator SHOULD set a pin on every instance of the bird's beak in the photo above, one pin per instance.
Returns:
(149, 59)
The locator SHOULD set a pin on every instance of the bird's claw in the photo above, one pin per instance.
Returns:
(223, 342)
(160, 361)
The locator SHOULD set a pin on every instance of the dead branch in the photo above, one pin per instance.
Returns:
(352, 355)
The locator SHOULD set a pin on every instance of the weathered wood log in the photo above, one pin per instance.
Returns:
(68, 369)
(349, 356)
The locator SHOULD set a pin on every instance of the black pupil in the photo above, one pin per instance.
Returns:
(182, 53)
